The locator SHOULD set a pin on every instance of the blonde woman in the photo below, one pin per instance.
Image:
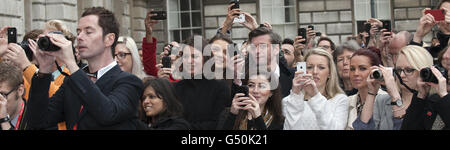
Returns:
(127, 57)
(386, 111)
(316, 101)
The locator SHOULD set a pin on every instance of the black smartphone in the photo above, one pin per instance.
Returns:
(243, 89)
(12, 35)
(367, 27)
(311, 26)
(160, 15)
(166, 61)
(302, 32)
(387, 25)
(236, 4)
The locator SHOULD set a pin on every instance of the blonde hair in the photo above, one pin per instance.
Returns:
(332, 87)
(130, 44)
(418, 57)
(58, 25)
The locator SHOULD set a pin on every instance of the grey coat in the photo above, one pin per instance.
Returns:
(382, 118)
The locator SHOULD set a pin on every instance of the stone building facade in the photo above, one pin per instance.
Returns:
(336, 18)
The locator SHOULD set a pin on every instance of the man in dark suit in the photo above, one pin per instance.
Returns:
(99, 97)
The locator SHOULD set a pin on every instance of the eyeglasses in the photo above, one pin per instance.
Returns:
(407, 71)
(7, 94)
(121, 55)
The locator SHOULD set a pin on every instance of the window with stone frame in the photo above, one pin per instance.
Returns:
(281, 14)
(184, 19)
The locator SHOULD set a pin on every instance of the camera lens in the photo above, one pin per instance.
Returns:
(377, 75)
(426, 75)
(45, 44)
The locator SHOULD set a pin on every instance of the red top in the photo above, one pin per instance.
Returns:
(149, 57)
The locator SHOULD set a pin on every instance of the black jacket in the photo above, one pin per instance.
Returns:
(203, 101)
(286, 77)
(421, 114)
(228, 119)
(109, 104)
(168, 123)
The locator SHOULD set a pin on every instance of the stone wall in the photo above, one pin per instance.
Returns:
(332, 17)
(407, 14)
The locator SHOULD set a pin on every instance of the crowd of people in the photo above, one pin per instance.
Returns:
(100, 80)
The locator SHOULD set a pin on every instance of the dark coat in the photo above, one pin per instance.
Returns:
(203, 101)
(167, 123)
(421, 114)
(109, 104)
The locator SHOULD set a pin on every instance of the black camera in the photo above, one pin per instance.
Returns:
(25, 46)
(236, 4)
(160, 15)
(45, 44)
(378, 75)
(427, 75)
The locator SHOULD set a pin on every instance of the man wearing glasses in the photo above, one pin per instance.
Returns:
(12, 104)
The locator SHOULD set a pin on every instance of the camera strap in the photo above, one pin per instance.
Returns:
(401, 82)
(60, 70)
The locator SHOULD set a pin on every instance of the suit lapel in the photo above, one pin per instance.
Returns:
(101, 84)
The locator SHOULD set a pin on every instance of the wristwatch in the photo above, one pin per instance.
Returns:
(6, 119)
(398, 103)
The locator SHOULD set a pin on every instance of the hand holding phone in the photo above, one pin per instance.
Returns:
(160, 15)
(438, 14)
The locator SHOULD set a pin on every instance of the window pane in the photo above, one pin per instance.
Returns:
(175, 34)
(173, 5)
(196, 20)
(290, 15)
(185, 34)
(195, 4)
(266, 15)
(174, 22)
(198, 31)
(184, 5)
(185, 20)
(289, 3)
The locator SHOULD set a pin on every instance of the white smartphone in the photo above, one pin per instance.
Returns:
(301, 66)
(240, 19)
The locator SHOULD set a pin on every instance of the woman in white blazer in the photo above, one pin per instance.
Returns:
(316, 101)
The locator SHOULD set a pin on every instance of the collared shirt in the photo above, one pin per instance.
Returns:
(104, 70)
(56, 73)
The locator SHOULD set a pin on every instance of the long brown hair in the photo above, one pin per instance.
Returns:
(273, 104)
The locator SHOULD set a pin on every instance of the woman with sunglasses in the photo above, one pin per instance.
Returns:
(388, 110)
